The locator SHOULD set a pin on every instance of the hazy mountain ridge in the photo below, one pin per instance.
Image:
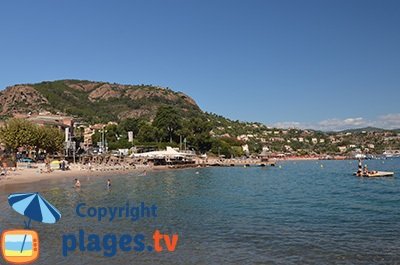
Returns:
(364, 129)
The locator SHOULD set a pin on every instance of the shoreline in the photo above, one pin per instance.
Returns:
(31, 175)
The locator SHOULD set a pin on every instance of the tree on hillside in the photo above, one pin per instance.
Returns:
(148, 133)
(222, 148)
(199, 125)
(199, 133)
(169, 121)
(130, 124)
(202, 142)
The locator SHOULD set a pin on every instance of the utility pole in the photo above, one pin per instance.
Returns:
(102, 141)
(74, 149)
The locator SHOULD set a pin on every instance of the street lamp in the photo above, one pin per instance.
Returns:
(103, 140)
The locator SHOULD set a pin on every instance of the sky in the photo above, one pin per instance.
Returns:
(312, 63)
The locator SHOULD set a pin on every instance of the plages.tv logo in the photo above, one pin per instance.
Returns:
(111, 244)
(21, 246)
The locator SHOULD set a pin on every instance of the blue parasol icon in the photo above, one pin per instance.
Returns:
(35, 207)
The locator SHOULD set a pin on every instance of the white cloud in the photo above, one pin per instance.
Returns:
(288, 124)
(341, 124)
(389, 121)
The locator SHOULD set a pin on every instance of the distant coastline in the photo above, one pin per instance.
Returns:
(30, 175)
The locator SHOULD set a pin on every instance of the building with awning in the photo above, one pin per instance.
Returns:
(168, 156)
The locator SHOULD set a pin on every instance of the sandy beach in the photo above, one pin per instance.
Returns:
(29, 175)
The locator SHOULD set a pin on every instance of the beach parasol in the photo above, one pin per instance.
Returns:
(35, 207)
(55, 164)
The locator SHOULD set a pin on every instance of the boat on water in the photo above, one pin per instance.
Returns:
(391, 154)
(372, 174)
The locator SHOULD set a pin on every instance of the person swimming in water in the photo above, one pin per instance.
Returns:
(77, 183)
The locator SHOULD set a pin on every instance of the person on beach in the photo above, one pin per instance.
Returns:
(3, 170)
(47, 166)
(77, 183)
(109, 184)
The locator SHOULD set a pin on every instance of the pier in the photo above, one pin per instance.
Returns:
(235, 162)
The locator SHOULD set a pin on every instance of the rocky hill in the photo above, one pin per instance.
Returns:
(92, 101)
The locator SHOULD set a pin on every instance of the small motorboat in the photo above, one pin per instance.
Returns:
(372, 174)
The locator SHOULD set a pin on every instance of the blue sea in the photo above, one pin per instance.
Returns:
(299, 212)
(17, 246)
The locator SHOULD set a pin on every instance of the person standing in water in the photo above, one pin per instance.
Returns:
(359, 171)
(109, 184)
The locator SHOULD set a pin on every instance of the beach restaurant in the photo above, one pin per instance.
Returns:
(170, 156)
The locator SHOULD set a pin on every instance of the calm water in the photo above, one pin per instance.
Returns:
(299, 213)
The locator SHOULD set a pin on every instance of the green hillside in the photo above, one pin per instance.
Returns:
(64, 98)
(160, 116)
